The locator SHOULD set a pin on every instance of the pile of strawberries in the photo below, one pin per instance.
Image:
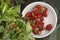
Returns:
(36, 18)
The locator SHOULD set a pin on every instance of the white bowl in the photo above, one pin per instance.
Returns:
(51, 19)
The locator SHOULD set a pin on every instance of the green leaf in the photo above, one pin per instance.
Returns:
(6, 17)
(1, 6)
(14, 10)
(6, 37)
(18, 2)
(30, 37)
(1, 29)
(28, 28)
(21, 23)
(4, 7)
(9, 18)
(1, 1)
(2, 17)
(23, 18)
(7, 1)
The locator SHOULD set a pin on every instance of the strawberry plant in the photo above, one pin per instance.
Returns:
(12, 27)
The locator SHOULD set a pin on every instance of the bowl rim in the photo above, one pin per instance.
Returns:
(55, 16)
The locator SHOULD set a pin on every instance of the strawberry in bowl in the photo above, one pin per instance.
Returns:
(42, 17)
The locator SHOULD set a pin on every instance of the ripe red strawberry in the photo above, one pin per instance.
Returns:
(39, 15)
(37, 21)
(28, 14)
(41, 19)
(37, 25)
(45, 14)
(38, 7)
(42, 23)
(35, 17)
(33, 26)
(41, 29)
(45, 9)
(36, 32)
(49, 27)
(27, 17)
(31, 18)
(35, 12)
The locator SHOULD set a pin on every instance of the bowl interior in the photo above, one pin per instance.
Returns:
(51, 19)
